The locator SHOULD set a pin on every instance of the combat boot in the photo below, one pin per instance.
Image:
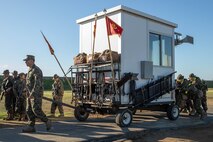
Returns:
(10, 117)
(52, 115)
(203, 115)
(192, 113)
(48, 125)
(61, 115)
(29, 129)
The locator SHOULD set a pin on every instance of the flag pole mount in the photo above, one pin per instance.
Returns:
(110, 51)
(93, 48)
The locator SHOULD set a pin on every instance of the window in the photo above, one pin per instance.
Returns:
(160, 49)
(154, 44)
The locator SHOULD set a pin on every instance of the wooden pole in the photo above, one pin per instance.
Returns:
(52, 53)
(110, 51)
(63, 71)
(93, 48)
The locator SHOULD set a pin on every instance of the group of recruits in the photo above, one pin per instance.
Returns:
(191, 95)
(23, 95)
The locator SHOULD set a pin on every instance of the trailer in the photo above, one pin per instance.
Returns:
(142, 79)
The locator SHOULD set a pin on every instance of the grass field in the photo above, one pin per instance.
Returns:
(46, 105)
(66, 99)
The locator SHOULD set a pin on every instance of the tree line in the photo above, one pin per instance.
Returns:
(48, 83)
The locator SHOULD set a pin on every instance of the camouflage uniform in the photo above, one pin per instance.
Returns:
(16, 81)
(7, 89)
(204, 98)
(183, 99)
(34, 87)
(197, 94)
(58, 92)
(34, 82)
(22, 96)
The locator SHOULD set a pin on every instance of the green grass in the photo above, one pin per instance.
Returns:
(46, 105)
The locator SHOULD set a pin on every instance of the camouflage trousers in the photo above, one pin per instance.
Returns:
(197, 105)
(21, 105)
(57, 103)
(9, 103)
(34, 110)
(204, 102)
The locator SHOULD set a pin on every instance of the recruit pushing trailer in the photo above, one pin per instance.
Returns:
(142, 79)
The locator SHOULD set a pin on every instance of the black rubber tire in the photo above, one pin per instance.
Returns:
(80, 113)
(173, 112)
(124, 118)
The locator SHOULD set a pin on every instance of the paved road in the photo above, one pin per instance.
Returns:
(96, 128)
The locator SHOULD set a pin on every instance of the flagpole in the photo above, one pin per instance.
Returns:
(93, 48)
(110, 51)
(63, 71)
(52, 52)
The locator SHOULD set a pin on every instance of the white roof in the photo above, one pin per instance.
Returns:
(128, 10)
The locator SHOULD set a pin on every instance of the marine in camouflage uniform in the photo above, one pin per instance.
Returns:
(7, 90)
(34, 86)
(197, 95)
(204, 98)
(16, 81)
(58, 92)
(183, 99)
(22, 96)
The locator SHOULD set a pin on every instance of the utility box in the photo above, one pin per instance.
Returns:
(146, 69)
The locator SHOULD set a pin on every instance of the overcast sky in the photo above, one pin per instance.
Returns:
(22, 20)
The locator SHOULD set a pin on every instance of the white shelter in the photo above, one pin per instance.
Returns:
(146, 45)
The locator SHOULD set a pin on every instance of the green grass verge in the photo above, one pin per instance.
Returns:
(46, 105)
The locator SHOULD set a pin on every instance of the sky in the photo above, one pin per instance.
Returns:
(22, 20)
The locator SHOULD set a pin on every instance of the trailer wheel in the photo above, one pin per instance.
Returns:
(124, 118)
(81, 114)
(173, 112)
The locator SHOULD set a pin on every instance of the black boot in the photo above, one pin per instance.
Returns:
(29, 129)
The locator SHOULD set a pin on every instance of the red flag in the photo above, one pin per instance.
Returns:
(112, 27)
(50, 47)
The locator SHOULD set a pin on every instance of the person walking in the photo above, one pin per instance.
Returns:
(34, 86)
(58, 92)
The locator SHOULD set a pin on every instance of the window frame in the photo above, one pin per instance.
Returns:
(161, 49)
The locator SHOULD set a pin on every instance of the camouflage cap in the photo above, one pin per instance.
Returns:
(191, 75)
(29, 57)
(15, 72)
(180, 77)
(21, 74)
(6, 72)
(55, 76)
